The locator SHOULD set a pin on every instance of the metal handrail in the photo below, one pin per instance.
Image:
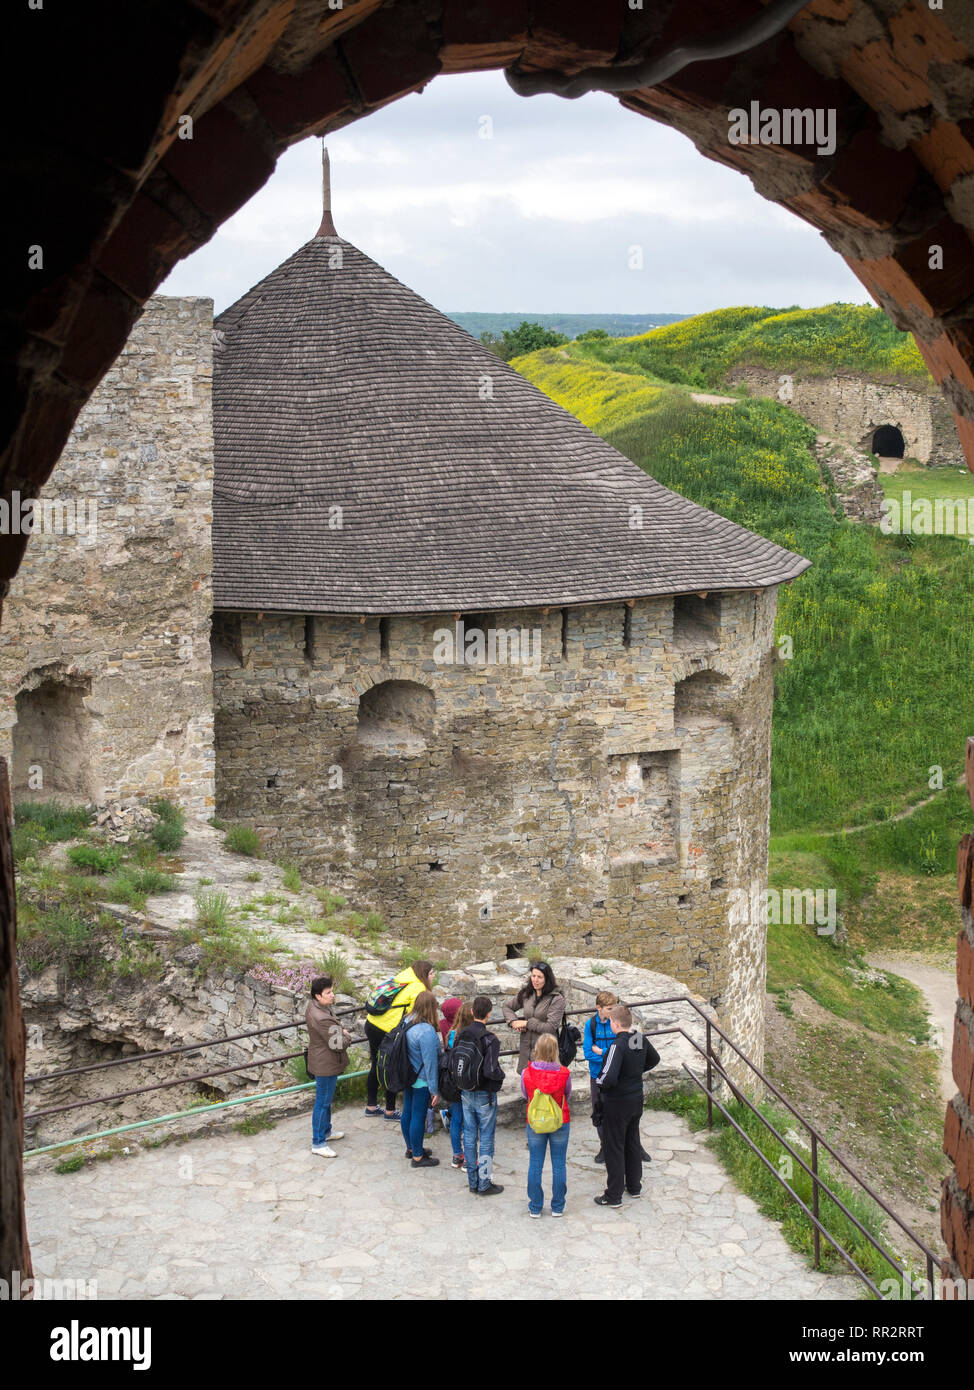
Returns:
(817, 1181)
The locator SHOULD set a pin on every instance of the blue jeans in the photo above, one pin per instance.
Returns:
(321, 1114)
(479, 1123)
(415, 1103)
(456, 1128)
(558, 1144)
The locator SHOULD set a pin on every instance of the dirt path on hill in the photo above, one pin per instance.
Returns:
(939, 988)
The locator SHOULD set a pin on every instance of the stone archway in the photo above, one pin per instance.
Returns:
(888, 442)
(188, 107)
(52, 744)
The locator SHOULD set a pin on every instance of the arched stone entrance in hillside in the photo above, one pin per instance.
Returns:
(888, 442)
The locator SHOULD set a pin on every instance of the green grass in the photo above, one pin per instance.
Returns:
(212, 911)
(258, 1121)
(330, 901)
(170, 830)
(699, 351)
(90, 859)
(70, 1165)
(290, 876)
(878, 654)
(335, 964)
(41, 823)
(133, 886)
(242, 840)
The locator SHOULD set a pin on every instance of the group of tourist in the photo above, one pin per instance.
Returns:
(450, 1048)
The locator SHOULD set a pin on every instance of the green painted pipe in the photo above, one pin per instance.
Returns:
(181, 1114)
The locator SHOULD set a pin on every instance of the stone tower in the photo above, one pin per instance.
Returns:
(470, 662)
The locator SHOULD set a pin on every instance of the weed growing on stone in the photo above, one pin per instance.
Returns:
(212, 911)
(336, 965)
(330, 902)
(206, 882)
(90, 859)
(216, 823)
(291, 876)
(242, 840)
(170, 830)
(255, 1123)
(133, 886)
(253, 877)
(70, 1165)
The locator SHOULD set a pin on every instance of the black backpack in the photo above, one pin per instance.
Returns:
(392, 1064)
(446, 1084)
(467, 1063)
(568, 1039)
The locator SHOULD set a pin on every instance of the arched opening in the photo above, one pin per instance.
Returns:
(396, 716)
(888, 442)
(52, 744)
(701, 699)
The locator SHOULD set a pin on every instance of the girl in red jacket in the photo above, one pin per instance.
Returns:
(545, 1073)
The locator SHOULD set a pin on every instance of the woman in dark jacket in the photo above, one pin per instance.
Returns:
(542, 1005)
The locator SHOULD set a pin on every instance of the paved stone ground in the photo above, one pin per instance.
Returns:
(258, 1217)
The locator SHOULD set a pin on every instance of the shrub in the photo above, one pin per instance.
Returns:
(92, 860)
(70, 1165)
(133, 886)
(169, 832)
(336, 965)
(242, 840)
(212, 911)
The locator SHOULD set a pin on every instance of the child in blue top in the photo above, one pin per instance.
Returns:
(423, 1047)
(597, 1038)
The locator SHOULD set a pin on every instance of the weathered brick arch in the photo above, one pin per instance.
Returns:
(112, 199)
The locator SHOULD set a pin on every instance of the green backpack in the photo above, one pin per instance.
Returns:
(544, 1113)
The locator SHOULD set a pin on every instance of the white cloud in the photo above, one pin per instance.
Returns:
(540, 217)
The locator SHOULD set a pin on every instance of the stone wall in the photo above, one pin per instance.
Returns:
(104, 646)
(853, 406)
(608, 802)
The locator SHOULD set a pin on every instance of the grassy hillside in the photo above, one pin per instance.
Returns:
(875, 693)
(699, 351)
(618, 325)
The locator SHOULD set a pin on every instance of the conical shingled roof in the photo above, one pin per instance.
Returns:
(462, 486)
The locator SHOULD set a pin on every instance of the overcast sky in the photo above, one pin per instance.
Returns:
(541, 216)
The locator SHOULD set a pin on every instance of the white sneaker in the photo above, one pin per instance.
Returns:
(535, 1215)
(335, 1134)
(324, 1150)
(558, 1213)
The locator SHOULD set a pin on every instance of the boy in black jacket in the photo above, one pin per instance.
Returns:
(479, 1052)
(620, 1084)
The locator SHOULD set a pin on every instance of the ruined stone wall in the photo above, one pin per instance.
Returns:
(104, 646)
(854, 406)
(607, 802)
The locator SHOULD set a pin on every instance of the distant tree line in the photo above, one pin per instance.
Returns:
(528, 337)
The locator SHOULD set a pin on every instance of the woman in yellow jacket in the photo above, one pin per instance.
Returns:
(412, 982)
